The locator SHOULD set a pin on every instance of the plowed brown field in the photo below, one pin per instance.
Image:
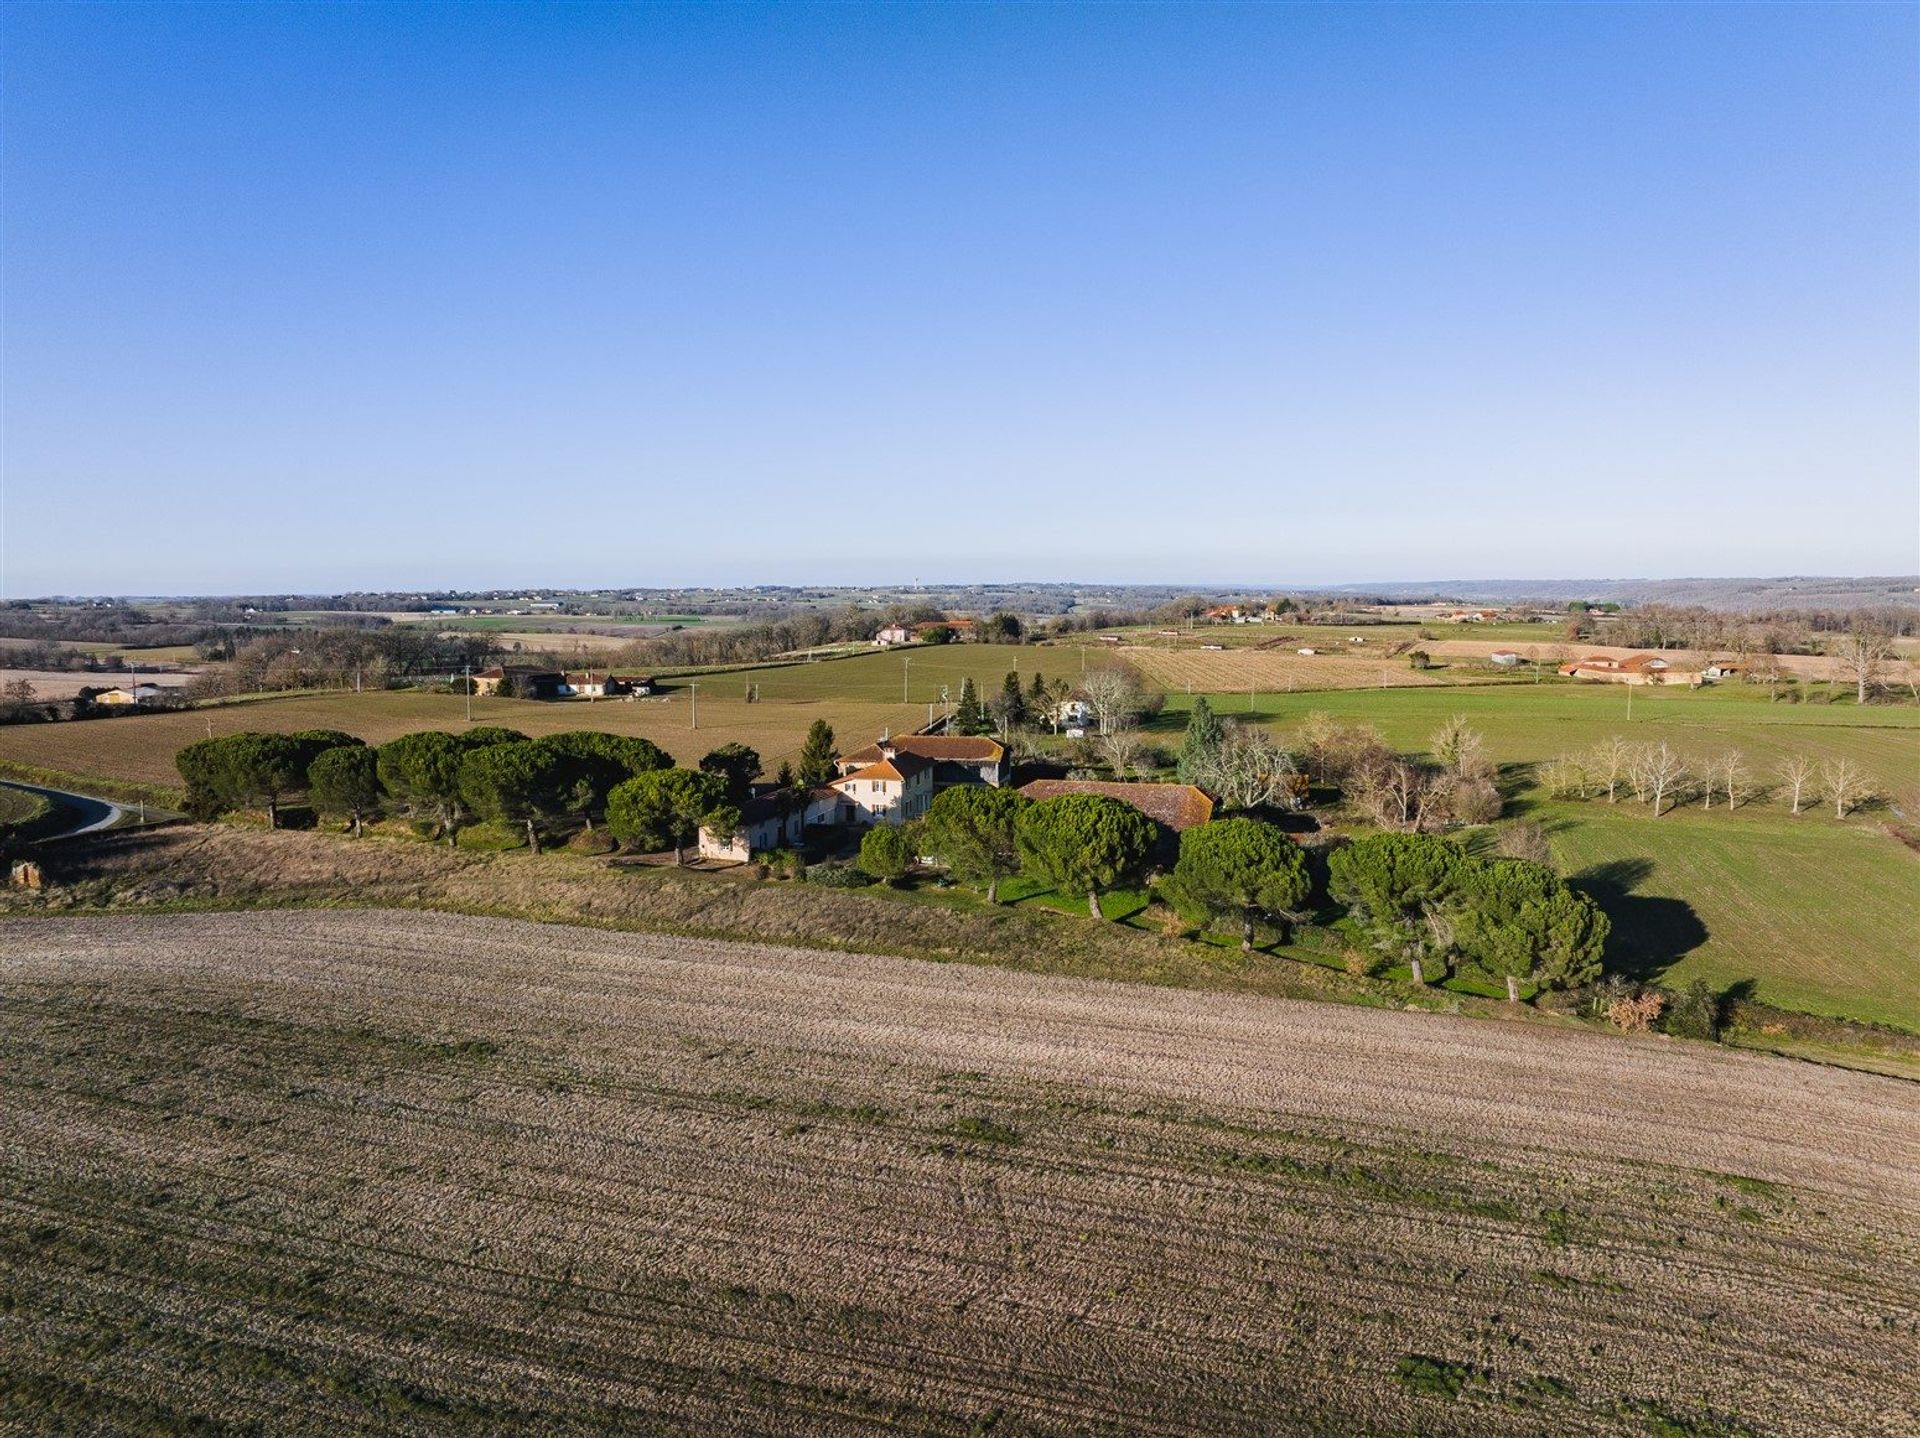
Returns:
(379, 1172)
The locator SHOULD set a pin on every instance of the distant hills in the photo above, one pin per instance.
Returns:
(1788, 592)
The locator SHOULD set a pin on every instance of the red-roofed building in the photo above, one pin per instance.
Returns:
(1632, 669)
(891, 791)
(956, 758)
(1176, 807)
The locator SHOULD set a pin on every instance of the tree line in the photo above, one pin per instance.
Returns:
(1662, 777)
(342, 657)
(1413, 898)
(438, 782)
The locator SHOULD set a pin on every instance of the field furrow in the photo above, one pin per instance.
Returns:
(342, 1173)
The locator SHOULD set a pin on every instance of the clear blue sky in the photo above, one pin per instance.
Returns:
(317, 297)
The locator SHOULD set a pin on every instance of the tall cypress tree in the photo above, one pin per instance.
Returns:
(1204, 736)
(817, 755)
(969, 717)
(1013, 703)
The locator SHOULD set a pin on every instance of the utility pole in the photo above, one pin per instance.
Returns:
(1629, 701)
(905, 661)
(466, 690)
(694, 685)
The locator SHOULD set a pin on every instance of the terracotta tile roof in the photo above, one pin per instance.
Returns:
(1178, 806)
(897, 770)
(516, 671)
(939, 748)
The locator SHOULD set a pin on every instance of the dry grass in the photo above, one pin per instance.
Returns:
(1277, 671)
(383, 1173)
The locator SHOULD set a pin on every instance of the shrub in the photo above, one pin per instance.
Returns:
(491, 835)
(1637, 1014)
(1475, 801)
(1526, 839)
(1695, 1013)
(786, 864)
(837, 876)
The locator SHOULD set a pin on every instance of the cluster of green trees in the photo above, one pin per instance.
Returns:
(1422, 899)
(1417, 897)
(1081, 844)
(1240, 871)
(1241, 765)
(1012, 707)
(440, 781)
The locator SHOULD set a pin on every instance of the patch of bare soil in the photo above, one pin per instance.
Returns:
(386, 1172)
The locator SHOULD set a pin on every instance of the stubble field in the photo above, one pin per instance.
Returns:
(332, 1173)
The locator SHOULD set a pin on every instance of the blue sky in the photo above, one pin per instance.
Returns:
(321, 297)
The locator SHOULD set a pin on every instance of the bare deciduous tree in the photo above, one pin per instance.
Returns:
(1860, 652)
(1460, 748)
(1663, 772)
(1250, 770)
(1732, 769)
(1563, 776)
(1609, 762)
(1796, 772)
(1124, 748)
(1113, 696)
(1764, 668)
(1389, 789)
(1526, 839)
(1846, 784)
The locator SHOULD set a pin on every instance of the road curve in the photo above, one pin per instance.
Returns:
(88, 813)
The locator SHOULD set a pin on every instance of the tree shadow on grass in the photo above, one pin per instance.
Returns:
(1515, 781)
(1650, 933)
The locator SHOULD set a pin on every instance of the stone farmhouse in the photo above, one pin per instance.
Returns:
(528, 681)
(891, 781)
(1633, 669)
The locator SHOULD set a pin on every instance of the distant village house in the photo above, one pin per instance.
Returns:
(526, 681)
(130, 696)
(1633, 669)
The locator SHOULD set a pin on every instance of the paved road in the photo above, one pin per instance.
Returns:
(85, 813)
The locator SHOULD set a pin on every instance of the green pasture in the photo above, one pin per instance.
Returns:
(1812, 912)
(878, 676)
(1527, 724)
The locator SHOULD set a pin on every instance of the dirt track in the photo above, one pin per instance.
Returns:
(372, 1172)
